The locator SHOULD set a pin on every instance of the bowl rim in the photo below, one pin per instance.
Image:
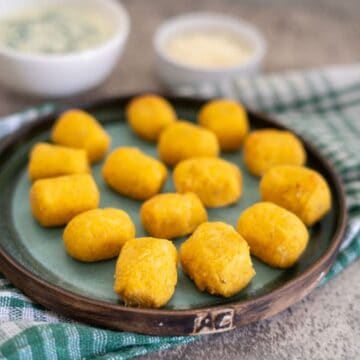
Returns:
(249, 31)
(120, 35)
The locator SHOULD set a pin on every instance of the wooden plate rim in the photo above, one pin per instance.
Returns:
(196, 321)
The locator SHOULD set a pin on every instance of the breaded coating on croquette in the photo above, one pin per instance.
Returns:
(266, 148)
(55, 201)
(228, 120)
(48, 160)
(274, 234)
(133, 173)
(148, 115)
(98, 234)
(184, 140)
(217, 182)
(217, 258)
(146, 272)
(298, 189)
(79, 129)
(172, 215)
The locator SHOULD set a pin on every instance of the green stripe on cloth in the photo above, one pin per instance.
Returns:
(76, 341)
(323, 106)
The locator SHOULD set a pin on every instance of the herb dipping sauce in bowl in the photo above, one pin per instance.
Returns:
(206, 50)
(58, 48)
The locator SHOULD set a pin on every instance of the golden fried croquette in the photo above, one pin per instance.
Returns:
(48, 160)
(172, 215)
(133, 173)
(79, 129)
(148, 115)
(274, 234)
(55, 201)
(146, 272)
(228, 120)
(217, 258)
(298, 189)
(217, 182)
(98, 234)
(183, 140)
(266, 148)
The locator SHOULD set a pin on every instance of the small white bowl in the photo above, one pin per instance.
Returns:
(179, 76)
(63, 74)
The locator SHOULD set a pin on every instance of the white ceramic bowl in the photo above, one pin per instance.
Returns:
(179, 76)
(64, 74)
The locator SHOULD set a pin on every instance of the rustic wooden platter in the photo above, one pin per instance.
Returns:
(34, 259)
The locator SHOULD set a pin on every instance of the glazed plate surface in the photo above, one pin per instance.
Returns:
(34, 258)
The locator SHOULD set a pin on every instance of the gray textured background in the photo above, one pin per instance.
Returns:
(300, 34)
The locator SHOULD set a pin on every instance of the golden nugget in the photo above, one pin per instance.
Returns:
(47, 160)
(172, 215)
(227, 119)
(146, 272)
(78, 129)
(183, 140)
(298, 189)
(98, 234)
(55, 201)
(217, 182)
(149, 115)
(266, 148)
(274, 234)
(217, 258)
(133, 173)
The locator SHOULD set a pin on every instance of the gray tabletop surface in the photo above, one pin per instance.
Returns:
(300, 34)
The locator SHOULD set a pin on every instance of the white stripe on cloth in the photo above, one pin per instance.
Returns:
(353, 229)
(48, 343)
(342, 76)
(10, 329)
(73, 342)
(100, 341)
(24, 351)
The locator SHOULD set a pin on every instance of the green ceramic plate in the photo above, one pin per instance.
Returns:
(35, 260)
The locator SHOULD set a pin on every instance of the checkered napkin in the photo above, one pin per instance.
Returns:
(322, 105)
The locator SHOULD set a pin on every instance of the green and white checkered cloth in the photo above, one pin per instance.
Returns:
(322, 105)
